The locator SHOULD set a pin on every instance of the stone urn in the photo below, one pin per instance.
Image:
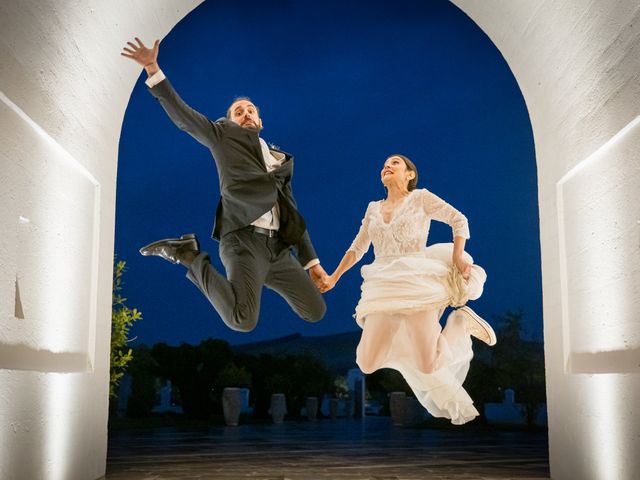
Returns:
(231, 405)
(278, 408)
(398, 407)
(312, 408)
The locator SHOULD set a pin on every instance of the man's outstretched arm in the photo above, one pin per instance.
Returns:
(183, 116)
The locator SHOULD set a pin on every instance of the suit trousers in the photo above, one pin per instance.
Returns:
(253, 260)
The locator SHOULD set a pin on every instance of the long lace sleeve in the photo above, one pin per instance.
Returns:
(440, 210)
(361, 243)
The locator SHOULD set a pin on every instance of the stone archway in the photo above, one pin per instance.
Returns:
(63, 93)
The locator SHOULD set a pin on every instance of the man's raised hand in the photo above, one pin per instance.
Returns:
(142, 55)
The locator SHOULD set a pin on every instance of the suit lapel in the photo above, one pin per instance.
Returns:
(255, 146)
(254, 141)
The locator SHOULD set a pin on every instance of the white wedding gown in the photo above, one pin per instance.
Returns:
(407, 278)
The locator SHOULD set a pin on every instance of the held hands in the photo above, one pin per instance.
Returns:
(319, 277)
(329, 283)
(142, 55)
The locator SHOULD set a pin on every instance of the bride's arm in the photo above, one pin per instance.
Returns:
(358, 248)
(440, 210)
(348, 261)
(458, 249)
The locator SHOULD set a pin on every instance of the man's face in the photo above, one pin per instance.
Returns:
(245, 114)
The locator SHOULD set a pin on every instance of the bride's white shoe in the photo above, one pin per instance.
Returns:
(478, 327)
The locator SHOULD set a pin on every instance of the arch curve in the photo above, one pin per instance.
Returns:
(577, 68)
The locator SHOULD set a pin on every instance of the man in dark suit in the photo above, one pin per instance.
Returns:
(257, 221)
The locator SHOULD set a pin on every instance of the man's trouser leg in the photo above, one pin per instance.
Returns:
(287, 277)
(236, 298)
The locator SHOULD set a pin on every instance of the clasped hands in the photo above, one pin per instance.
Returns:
(321, 279)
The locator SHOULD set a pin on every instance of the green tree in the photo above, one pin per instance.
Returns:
(233, 376)
(193, 370)
(340, 387)
(309, 377)
(145, 385)
(297, 376)
(519, 364)
(482, 381)
(122, 318)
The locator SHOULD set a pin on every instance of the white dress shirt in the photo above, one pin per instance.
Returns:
(272, 160)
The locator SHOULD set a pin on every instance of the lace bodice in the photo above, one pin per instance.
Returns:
(408, 228)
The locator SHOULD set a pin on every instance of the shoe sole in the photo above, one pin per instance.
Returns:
(484, 324)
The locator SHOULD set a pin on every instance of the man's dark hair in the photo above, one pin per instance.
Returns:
(241, 98)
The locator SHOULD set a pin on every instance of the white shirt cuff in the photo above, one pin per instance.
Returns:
(312, 263)
(155, 79)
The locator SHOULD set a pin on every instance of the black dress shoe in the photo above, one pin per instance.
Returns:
(173, 250)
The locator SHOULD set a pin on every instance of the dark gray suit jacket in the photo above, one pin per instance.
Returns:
(247, 190)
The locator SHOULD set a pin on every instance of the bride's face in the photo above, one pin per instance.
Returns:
(395, 172)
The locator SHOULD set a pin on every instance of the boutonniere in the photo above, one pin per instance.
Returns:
(273, 146)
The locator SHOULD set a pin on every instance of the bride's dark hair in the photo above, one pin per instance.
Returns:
(411, 167)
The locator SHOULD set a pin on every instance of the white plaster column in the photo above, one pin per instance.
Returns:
(63, 92)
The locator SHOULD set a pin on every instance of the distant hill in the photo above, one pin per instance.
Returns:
(337, 351)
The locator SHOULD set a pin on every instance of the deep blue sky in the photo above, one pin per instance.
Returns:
(341, 87)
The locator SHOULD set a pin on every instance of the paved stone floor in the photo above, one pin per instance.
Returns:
(327, 449)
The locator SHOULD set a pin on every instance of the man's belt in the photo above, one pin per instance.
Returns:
(263, 231)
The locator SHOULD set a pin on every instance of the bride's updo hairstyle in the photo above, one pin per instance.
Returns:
(411, 167)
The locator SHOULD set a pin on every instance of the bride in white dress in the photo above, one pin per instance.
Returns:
(408, 286)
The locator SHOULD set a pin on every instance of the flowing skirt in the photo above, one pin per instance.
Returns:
(405, 286)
